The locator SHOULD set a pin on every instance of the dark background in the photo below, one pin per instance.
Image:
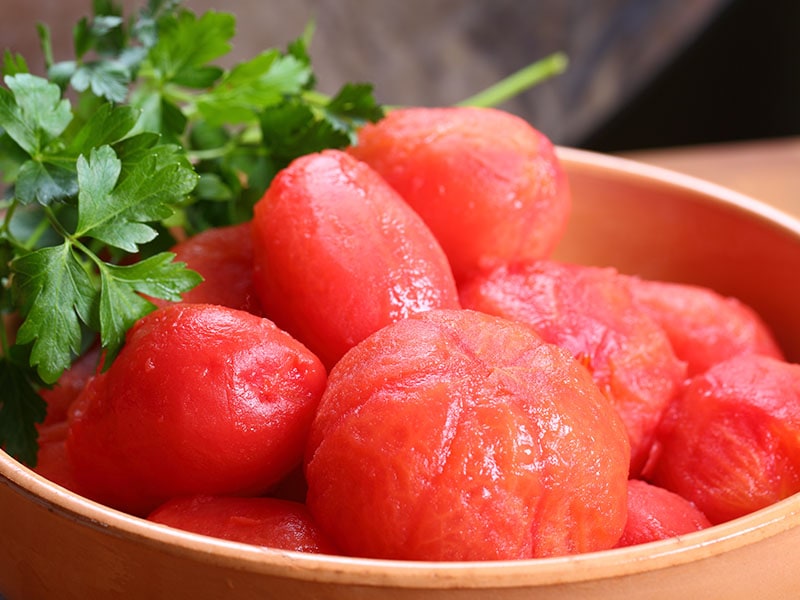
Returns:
(739, 80)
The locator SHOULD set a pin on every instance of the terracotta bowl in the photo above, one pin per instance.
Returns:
(54, 544)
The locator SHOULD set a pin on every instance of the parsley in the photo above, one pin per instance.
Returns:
(20, 410)
(135, 136)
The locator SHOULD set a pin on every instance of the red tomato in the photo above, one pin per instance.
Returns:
(589, 312)
(731, 443)
(657, 514)
(703, 326)
(51, 460)
(488, 184)
(454, 435)
(61, 396)
(202, 399)
(338, 255)
(258, 521)
(223, 256)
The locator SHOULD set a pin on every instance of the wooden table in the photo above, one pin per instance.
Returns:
(768, 170)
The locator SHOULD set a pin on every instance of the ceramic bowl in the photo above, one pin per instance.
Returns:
(640, 219)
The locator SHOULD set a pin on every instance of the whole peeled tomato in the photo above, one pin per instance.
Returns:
(658, 514)
(455, 435)
(223, 256)
(589, 312)
(338, 254)
(62, 394)
(202, 399)
(703, 326)
(731, 442)
(52, 461)
(487, 183)
(260, 521)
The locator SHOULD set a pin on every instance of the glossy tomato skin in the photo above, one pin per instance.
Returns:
(703, 326)
(731, 442)
(60, 397)
(202, 399)
(488, 184)
(223, 256)
(454, 435)
(338, 254)
(658, 514)
(52, 461)
(250, 520)
(590, 312)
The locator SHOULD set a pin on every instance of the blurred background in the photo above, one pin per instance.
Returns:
(642, 74)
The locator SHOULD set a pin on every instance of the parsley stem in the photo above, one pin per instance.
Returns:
(212, 153)
(317, 98)
(77, 244)
(8, 215)
(247, 136)
(518, 82)
(180, 96)
(36, 235)
(9, 237)
(52, 220)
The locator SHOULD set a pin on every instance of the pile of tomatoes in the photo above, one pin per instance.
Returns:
(387, 363)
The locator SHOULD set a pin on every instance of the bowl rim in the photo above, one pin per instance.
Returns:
(343, 570)
(598, 162)
(759, 525)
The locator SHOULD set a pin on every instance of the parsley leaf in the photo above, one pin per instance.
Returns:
(186, 43)
(14, 63)
(109, 123)
(352, 107)
(117, 214)
(55, 295)
(44, 182)
(293, 127)
(33, 112)
(33, 115)
(260, 82)
(120, 304)
(20, 410)
(106, 79)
